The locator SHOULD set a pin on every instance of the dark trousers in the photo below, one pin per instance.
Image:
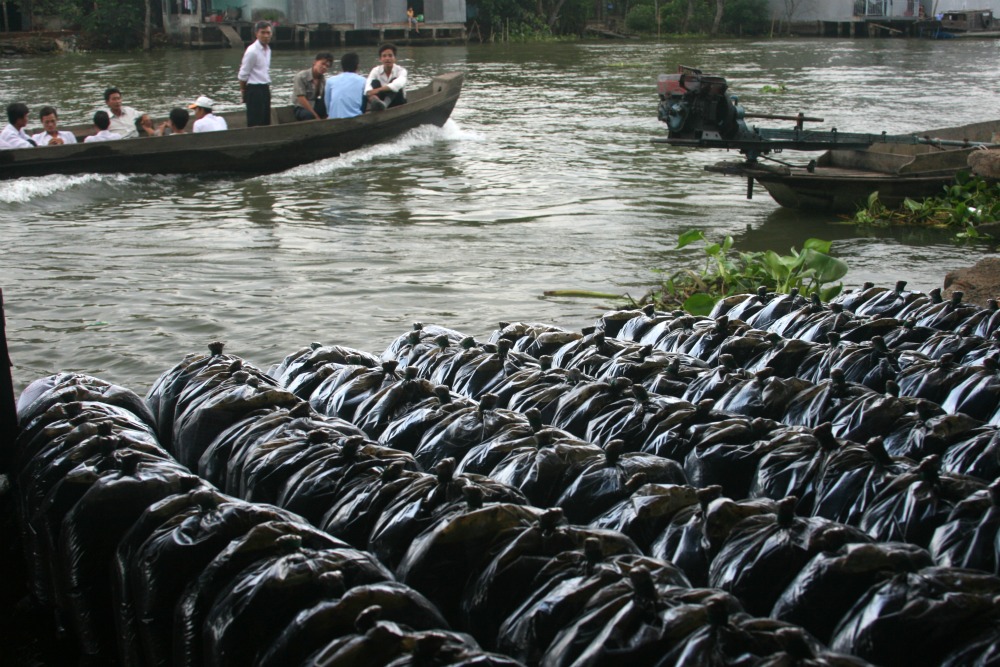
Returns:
(258, 104)
(391, 99)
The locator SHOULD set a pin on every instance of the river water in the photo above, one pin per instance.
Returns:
(545, 178)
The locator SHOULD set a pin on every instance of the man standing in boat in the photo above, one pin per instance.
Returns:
(386, 85)
(122, 117)
(255, 77)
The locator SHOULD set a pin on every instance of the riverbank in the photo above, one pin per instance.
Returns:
(37, 43)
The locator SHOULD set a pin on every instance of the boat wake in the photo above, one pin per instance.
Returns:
(425, 135)
(23, 190)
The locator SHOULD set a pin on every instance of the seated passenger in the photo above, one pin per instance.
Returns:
(144, 126)
(102, 121)
(386, 86)
(177, 123)
(122, 117)
(345, 93)
(52, 135)
(204, 119)
(14, 136)
(308, 87)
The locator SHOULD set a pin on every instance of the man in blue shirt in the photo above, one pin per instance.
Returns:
(345, 93)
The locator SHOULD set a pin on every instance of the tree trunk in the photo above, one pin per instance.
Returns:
(688, 16)
(554, 14)
(147, 28)
(720, 5)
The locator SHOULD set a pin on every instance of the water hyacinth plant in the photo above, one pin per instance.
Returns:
(726, 271)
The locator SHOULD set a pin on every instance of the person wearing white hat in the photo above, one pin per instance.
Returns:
(204, 119)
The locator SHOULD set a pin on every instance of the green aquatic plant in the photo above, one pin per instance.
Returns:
(966, 205)
(726, 271)
(780, 88)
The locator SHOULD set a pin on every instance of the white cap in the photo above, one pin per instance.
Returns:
(204, 102)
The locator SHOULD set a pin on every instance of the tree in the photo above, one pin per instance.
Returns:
(719, 7)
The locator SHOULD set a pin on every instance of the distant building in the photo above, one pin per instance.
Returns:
(847, 10)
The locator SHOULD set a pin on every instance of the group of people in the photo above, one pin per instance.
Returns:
(314, 96)
(117, 121)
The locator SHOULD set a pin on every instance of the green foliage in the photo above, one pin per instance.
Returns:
(746, 17)
(673, 13)
(967, 203)
(109, 24)
(642, 18)
(811, 270)
(780, 89)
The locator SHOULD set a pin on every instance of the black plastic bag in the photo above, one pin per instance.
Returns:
(695, 533)
(460, 431)
(407, 430)
(762, 395)
(977, 455)
(213, 411)
(917, 619)
(420, 504)
(852, 478)
(971, 535)
(563, 588)
(90, 533)
(391, 402)
(301, 371)
(791, 466)
(728, 452)
(354, 390)
(499, 588)
(824, 400)
(833, 581)
(314, 488)
(644, 515)
(546, 393)
(489, 370)
(763, 554)
(604, 482)
(312, 628)
(249, 615)
(454, 550)
(154, 565)
(401, 349)
(259, 544)
(913, 504)
(42, 394)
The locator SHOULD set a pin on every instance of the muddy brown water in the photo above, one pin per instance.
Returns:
(545, 178)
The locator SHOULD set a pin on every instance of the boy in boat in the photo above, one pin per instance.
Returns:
(386, 85)
(204, 119)
(308, 87)
(102, 121)
(122, 117)
(52, 135)
(177, 123)
(14, 136)
(255, 77)
(345, 93)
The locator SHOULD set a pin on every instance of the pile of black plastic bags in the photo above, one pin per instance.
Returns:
(782, 482)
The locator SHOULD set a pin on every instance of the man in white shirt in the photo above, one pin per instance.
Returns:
(204, 119)
(52, 135)
(14, 136)
(255, 77)
(122, 117)
(386, 84)
(102, 121)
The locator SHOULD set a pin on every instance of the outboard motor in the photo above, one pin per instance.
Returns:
(695, 106)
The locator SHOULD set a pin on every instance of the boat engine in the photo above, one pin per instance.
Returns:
(695, 106)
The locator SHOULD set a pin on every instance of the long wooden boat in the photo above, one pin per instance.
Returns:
(843, 179)
(257, 150)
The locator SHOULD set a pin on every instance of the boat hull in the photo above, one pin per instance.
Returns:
(256, 150)
(842, 180)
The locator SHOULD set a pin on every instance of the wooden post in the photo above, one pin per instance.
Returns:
(8, 406)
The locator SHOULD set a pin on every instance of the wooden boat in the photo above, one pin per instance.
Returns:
(256, 150)
(843, 179)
